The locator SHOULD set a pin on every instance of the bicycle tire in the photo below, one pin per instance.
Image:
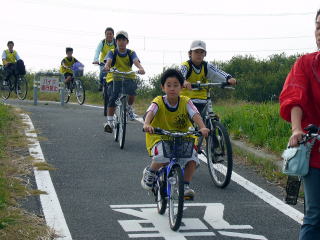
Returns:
(67, 94)
(122, 122)
(116, 125)
(175, 217)
(21, 87)
(219, 155)
(161, 194)
(80, 91)
(5, 90)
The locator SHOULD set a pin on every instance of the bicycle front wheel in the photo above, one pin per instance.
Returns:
(219, 155)
(22, 87)
(5, 90)
(161, 194)
(80, 91)
(123, 121)
(116, 124)
(176, 197)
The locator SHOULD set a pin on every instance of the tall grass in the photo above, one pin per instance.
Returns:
(259, 124)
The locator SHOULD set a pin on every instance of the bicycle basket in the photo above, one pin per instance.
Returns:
(77, 69)
(125, 87)
(178, 147)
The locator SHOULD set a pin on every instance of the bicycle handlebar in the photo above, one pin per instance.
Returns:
(114, 70)
(161, 131)
(199, 85)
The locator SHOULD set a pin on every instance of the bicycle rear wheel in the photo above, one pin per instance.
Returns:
(176, 197)
(219, 155)
(80, 91)
(22, 87)
(161, 194)
(123, 121)
(5, 90)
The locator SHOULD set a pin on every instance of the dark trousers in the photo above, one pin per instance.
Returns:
(310, 229)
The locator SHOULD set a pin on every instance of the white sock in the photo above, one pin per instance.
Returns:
(110, 118)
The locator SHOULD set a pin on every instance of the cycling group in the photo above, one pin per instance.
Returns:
(179, 125)
(12, 74)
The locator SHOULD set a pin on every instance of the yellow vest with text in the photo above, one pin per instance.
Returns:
(123, 65)
(11, 57)
(106, 48)
(176, 121)
(68, 63)
(194, 78)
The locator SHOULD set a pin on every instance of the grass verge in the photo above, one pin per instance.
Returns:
(15, 166)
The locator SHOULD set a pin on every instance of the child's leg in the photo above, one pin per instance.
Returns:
(156, 166)
(189, 171)
(131, 99)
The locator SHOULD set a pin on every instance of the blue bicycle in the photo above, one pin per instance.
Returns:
(169, 183)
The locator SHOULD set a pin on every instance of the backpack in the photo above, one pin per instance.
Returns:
(20, 67)
(116, 52)
(205, 64)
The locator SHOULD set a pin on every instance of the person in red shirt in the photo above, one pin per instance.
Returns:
(300, 105)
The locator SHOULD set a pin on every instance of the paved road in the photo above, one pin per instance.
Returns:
(98, 186)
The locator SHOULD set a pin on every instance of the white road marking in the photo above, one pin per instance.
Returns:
(50, 203)
(154, 225)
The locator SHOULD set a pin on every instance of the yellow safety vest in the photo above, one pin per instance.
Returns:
(68, 63)
(194, 78)
(105, 49)
(123, 64)
(11, 57)
(176, 121)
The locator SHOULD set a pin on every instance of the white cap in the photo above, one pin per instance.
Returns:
(123, 33)
(198, 44)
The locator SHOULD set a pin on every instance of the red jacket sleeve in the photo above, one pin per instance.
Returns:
(294, 92)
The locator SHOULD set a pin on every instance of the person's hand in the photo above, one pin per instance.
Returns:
(187, 85)
(148, 128)
(141, 71)
(296, 136)
(107, 68)
(232, 81)
(204, 131)
(95, 62)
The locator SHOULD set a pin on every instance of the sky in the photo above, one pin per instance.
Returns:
(159, 31)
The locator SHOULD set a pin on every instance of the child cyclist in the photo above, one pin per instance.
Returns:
(122, 59)
(196, 69)
(174, 113)
(66, 64)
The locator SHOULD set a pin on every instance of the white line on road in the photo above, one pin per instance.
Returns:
(50, 203)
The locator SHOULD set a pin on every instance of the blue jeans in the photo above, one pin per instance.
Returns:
(102, 75)
(310, 229)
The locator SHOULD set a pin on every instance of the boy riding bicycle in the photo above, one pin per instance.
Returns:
(196, 69)
(122, 59)
(9, 59)
(66, 65)
(173, 113)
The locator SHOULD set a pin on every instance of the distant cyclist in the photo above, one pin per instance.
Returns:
(196, 69)
(66, 65)
(170, 112)
(9, 59)
(104, 46)
(122, 59)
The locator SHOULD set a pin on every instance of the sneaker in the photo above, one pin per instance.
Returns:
(148, 178)
(188, 192)
(108, 126)
(131, 113)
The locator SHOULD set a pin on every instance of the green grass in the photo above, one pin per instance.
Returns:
(16, 223)
(258, 124)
